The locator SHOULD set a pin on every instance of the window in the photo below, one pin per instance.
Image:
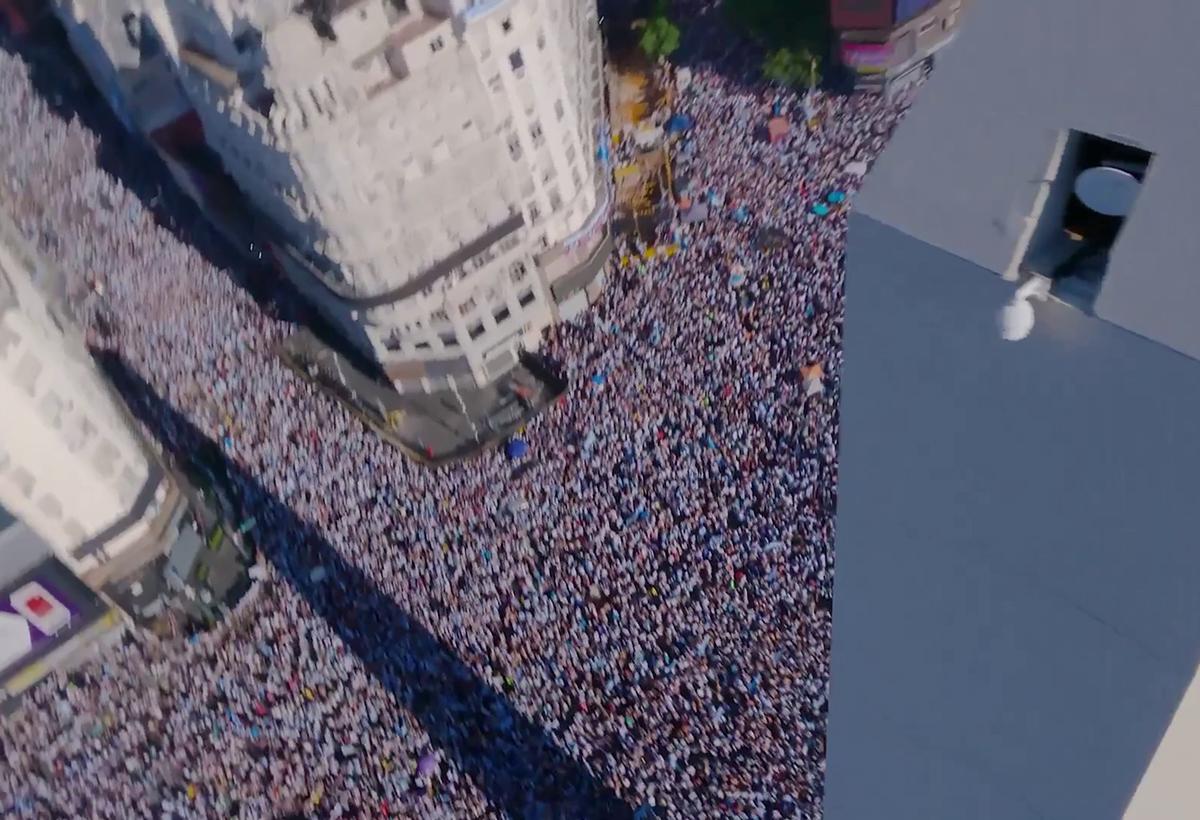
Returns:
(476, 330)
(50, 507)
(24, 481)
(514, 147)
(436, 44)
(422, 345)
(555, 199)
(506, 25)
(516, 60)
(130, 484)
(105, 459)
(52, 409)
(466, 307)
(78, 434)
(535, 131)
(27, 372)
(526, 298)
(502, 315)
(535, 213)
(74, 531)
(927, 26)
(517, 272)
(133, 28)
(448, 339)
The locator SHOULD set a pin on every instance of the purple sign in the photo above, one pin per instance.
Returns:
(35, 614)
(867, 57)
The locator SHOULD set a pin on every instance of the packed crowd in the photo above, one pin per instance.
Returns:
(653, 596)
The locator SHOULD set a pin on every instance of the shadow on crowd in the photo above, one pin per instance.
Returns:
(511, 759)
(64, 85)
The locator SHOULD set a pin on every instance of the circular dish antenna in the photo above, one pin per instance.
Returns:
(1016, 320)
(1108, 191)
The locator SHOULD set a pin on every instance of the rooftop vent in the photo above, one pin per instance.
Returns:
(1089, 197)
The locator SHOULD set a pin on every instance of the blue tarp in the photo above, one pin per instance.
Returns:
(598, 378)
(820, 209)
(679, 123)
(516, 448)
(836, 196)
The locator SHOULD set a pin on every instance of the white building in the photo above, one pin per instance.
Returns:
(70, 466)
(426, 170)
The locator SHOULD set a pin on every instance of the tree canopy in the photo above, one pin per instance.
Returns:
(660, 37)
(794, 67)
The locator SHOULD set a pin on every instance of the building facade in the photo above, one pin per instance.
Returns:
(424, 171)
(1017, 627)
(71, 468)
(887, 45)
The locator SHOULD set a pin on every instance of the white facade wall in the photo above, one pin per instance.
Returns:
(378, 156)
(70, 467)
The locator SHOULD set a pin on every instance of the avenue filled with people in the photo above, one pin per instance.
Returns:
(650, 599)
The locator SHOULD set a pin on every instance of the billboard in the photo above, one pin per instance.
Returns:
(867, 58)
(846, 15)
(40, 610)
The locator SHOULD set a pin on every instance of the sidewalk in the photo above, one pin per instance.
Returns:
(430, 428)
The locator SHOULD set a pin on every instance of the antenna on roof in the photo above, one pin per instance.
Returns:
(1017, 317)
(1107, 190)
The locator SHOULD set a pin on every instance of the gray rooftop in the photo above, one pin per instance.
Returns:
(963, 169)
(1016, 608)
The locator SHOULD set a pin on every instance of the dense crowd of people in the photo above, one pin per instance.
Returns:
(643, 615)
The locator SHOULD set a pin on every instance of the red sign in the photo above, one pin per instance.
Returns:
(846, 15)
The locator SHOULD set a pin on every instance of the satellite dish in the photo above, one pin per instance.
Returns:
(1016, 320)
(1108, 191)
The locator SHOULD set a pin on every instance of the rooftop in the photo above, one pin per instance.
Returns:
(995, 119)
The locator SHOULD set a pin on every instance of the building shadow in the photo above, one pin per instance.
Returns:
(512, 759)
(62, 82)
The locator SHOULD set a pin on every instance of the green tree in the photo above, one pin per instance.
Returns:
(660, 38)
(793, 67)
